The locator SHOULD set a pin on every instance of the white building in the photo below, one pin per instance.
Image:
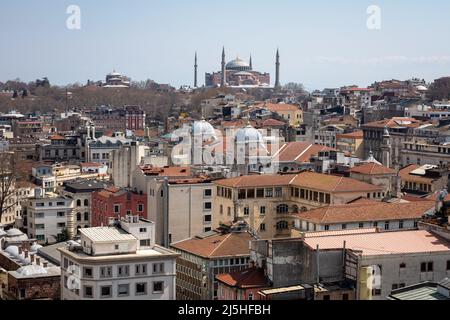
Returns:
(48, 216)
(124, 162)
(119, 262)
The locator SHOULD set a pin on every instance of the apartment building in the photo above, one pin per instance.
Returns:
(207, 255)
(182, 206)
(118, 262)
(377, 174)
(266, 202)
(351, 143)
(423, 180)
(48, 217)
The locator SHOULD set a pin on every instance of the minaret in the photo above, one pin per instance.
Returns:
(277, 72)
(251, 62)
(223, 81)
(195, 71)
(386, 148)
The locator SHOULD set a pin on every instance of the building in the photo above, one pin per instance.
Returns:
(99, 150)
(207, 255)
(378, 175)
(118, 262)
(296, 156)
(238, 73)
(48, 217)
(169, 187)
(423, 180)
(114, 202)
(124, 162)
(242, 285)
(81, 193)
(116, 80)
(424, 291)
(351, 143)
(266, 202)
(364, 214)
(291, 113)
(29, 275)
(61, 149)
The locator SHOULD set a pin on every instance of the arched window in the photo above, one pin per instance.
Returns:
(283, 208)
(86, 216)
(78, 203)
(304, 209)
(294, 209)
(78, 216)
(282, 225)
(86, 203)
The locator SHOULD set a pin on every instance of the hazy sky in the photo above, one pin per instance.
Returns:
(322, 43)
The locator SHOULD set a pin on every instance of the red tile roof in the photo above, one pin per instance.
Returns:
(257, 181)
(372, 169)
(367, 212)
(281, 107)
(216, 246)
(352, 135)
(300, 152)
(250, 278)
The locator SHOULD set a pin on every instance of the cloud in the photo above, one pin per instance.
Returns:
(383, 60)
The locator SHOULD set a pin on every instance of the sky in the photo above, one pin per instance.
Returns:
(322, 43)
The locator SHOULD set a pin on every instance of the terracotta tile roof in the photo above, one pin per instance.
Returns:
(352, 135)
(330, 183)
(256, 181)
(250, 278)
(219, 245)
(372, 169)
(300, 152)
(383, 243)
(167, 171)
(272, 123)
(280, 107)
(57, 137)
(367, 212)
(434, 197)
(406, 175)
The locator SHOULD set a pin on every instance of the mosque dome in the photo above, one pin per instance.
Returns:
(35, 247)
(31, 270)
(14, 233)
(249, 134)
(205, 129)
(238, 64)
(13, 251)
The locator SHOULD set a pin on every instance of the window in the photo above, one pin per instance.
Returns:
(246, 211)
(207, 206)
(142, 230)
(207, 219)
(269, 193)
(140, 207)
(106, 291)
(282, 225)
(88, 292)
(106, 272)
(282, 208)
(158, 268)
(117, 208)
(375, 224)
(345, 296)
(401, 224)
(250, 296)
(448, 265)
(262, 227)
(207, 193)
(260, 193)
(229, 211)
(78, 216)
(376, 292)
(403, 266)
(158, 287)
(123, 271)
(87, 272)
(123, 290)
(327, 227)
(262, 210)
(344, 226)
(61, 214)
(361, 225)
(426, 267)
(141, 289)
(394, 287)
(387, 225)
(278, 192)
(250, 193)
(141, 269)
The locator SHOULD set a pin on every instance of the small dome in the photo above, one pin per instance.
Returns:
(35, 247)
(2, 233)
(31, 270)
(14, 233)
(13, 251)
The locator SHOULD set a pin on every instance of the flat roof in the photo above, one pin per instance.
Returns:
(107, 234)
(421, 292)
(382, 243)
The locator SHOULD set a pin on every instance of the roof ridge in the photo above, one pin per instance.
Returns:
(221, 242)
(309, 147)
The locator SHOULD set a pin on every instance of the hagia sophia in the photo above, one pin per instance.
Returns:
(238, 73)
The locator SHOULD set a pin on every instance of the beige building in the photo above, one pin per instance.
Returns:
(267, 202)
(351, 143)
(293, 114)
(378, 175)
(180, 206)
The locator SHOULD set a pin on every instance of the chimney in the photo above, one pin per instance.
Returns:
(38, 261)
(45, 264)
(32, 258)
(20, 250)
(26, 254)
